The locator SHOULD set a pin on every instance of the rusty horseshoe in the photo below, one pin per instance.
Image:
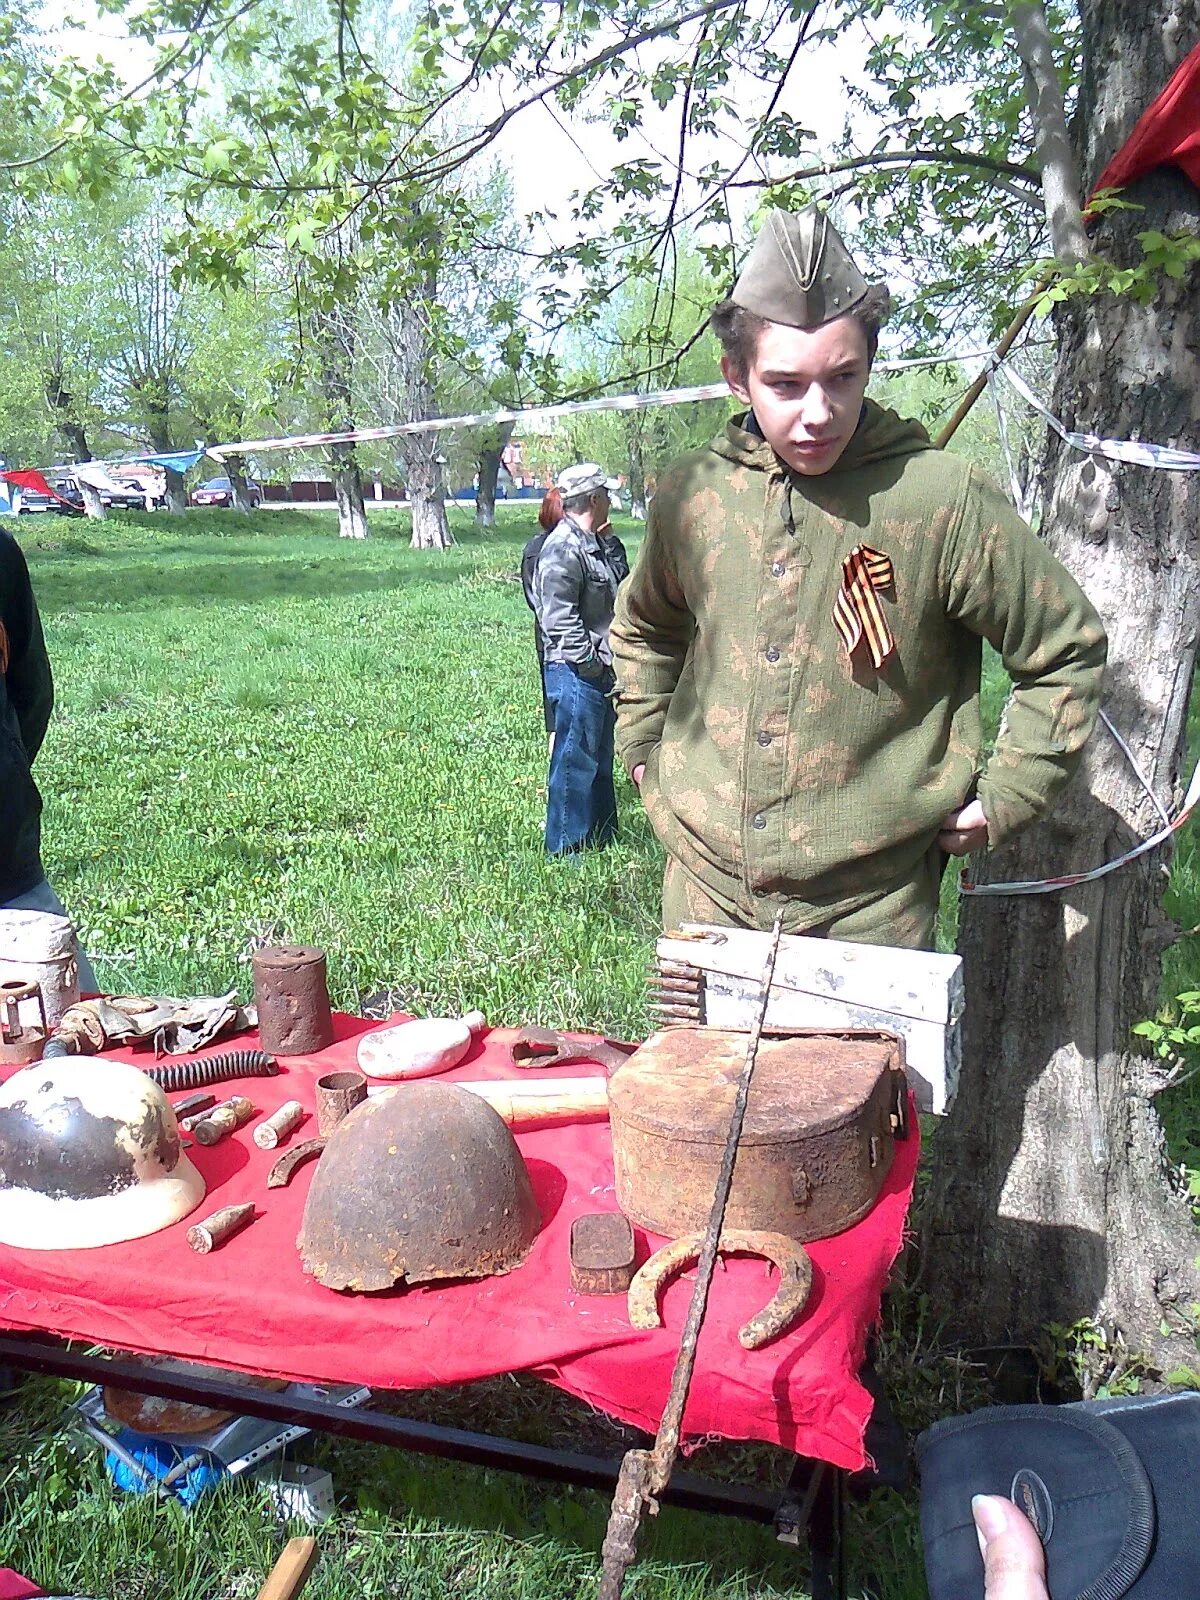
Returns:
(791, 1259)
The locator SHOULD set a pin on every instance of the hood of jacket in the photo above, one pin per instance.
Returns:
(881, 435)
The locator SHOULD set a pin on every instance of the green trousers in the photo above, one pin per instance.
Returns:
(906, 916)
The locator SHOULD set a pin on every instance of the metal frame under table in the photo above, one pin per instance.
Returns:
(813, 1501)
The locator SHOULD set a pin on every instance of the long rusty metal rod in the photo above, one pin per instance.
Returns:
(1006, 343)
(645, 1473)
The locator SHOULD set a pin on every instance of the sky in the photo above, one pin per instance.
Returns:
(549, 154)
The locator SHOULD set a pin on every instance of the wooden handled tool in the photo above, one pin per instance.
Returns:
(290, 1573)
(558, 1100)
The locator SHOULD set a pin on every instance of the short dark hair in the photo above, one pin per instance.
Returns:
(739, 329)
(579, 502)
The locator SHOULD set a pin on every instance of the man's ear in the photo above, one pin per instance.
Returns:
(736, 382)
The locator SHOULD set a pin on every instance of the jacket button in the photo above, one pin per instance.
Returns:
(771, 653)
(777, 569)
(764, 739)
(759, 820)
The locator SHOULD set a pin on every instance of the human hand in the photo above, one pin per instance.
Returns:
(964, 830)
(1014, 1565)
(636, 775)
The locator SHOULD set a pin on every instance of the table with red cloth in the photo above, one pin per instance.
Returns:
(248, 1305)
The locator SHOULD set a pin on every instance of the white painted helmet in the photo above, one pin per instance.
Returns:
(89, 1155)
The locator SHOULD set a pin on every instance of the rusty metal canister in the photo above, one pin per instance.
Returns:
(337, 1095)
(292, 997)
(816, 1145)
(22, 1037)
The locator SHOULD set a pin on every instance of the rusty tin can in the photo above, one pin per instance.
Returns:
(292, 997)
(817, 1144)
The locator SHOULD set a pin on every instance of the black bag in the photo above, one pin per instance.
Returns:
(1112, 1487)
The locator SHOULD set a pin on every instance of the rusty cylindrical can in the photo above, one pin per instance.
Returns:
(337, 1095)
(292, 999)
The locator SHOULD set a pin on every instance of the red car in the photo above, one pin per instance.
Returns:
(219, 492)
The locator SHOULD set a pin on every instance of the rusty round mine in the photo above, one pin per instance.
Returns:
(337, 1095)
(292, 997)
(421, 1183)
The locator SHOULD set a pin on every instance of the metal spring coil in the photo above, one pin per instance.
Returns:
(199, 1074)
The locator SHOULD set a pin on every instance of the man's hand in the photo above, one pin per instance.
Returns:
(636, 774)
(964, 830)
(1014, 1567)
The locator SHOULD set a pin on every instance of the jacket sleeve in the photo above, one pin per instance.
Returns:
(1001, 582)
(27, 676)
(557, 586)
(651, 634)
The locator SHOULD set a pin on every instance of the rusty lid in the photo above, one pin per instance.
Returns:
(681, 1083)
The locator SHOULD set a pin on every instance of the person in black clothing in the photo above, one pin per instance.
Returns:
(26, 701)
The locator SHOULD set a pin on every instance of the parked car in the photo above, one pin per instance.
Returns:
(219, 492)
(29, 501)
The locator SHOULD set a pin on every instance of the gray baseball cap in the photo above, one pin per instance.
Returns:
(799, 272)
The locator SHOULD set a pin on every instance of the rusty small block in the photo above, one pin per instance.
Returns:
(602, 1253)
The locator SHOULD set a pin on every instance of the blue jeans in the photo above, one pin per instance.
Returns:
(581, 802)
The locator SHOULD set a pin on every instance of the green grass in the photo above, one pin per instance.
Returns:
(263, 730)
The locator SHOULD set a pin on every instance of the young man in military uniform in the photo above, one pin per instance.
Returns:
(798, 647)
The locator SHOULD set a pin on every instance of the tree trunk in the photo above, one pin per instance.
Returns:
(176, 490)
(93, 505)
(637, 474)
(62, 405)
(347, 486)
(1051, 1197)
(238, 488)
(491, 460)
(427, 495)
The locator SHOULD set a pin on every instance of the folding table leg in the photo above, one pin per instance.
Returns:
(827, 1534)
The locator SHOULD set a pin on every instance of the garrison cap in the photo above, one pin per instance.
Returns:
(799, 271)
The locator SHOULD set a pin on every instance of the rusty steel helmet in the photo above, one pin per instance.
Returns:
(89, 1155)
(421, 1182)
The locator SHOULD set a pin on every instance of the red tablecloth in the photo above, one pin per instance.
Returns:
(248, 1305)
(14, 1587)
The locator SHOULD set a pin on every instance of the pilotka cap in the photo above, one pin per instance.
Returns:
(799, 271)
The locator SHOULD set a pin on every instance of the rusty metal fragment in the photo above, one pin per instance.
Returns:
(221, 1225)
(337, 1095)
(213, 1069)
(22, 1038)
(547, 1047)
(275, 1128)
(423, 1183)
(602, 1253)
(216, 1124)
(789, 1258)
(280, 1174)
(292, 997)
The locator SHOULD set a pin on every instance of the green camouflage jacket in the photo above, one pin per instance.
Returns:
(779, 766)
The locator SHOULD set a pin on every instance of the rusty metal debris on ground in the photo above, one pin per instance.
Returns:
(219, 1226)
(193, 1106)
(645, 1473)
(292, 996)
(421, 1183)
(547, 1047)
(602, 1253)
(789, 1258)
(281, 1172)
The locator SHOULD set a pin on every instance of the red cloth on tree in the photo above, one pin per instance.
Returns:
(1167, 132)
(250, 1306)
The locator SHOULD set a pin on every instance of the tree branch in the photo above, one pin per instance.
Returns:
(1061, 184)
(948, 156)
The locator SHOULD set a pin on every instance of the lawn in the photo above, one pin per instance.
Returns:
(264, 731)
